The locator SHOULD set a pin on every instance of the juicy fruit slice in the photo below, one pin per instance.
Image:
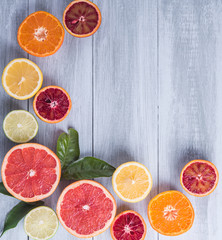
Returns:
(128, 225)
(132, 182)
(52, 104)
(41, 223)
(22, 78)
(171, 213)
(82, 18)
(92, 206)
(40, 34)
(20, 126)
(199, 177)
(31, 172)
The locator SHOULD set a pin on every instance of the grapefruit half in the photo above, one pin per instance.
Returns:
(86, 208)
(31, 172)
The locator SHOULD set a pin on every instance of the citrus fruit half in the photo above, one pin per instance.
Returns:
(20, 126)
(199, 177)
(40, 34)
(171, 213)
(52, 104)
(86, 208)
(132, 181)
(128, 225)
(31, 172)
(82, 18)
(41, 223)
(22, 78)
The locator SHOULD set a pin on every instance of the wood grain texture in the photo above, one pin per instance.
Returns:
(70, 68)
(190, 101)
(125, 91)
(12, 13)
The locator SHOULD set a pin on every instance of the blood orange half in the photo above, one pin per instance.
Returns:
(86, 208)
(199, 178)
(52, 104)
(31, 172)
(128, 225)
(82, 18)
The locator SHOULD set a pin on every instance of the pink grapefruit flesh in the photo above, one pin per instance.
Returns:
(86, 209)
(31, 172)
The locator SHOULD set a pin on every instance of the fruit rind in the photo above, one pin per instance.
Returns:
(158, 230)
(37, 54)
(35, 198)
(29, 62)
(115, 185)
(37, 209)
(125, 212)
(36, 111)
(25, 112)
(76, 184)
(202, 161)
(82, 35)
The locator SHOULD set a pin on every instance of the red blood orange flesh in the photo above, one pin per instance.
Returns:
(128, 225)
(82, 18)
(31, 172)
(86, 208)
(199, 177)
(52, 104)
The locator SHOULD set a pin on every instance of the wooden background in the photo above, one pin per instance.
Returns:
(146, 87)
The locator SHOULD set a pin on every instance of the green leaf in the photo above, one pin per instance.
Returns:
(3, 190)
(17, 213)
(87, 168)
(68, 147)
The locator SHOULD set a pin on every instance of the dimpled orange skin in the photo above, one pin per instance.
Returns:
(203, 161)
(172, 233)
(82, 35)
(128, 211)
(36, 111)
(36, 54)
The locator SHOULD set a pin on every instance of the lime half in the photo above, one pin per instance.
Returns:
(41, 223)
(20, 126)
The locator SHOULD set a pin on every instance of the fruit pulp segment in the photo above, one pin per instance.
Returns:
(199, 177)
(128, 226)
(52, 104)
(30, 172)
(22, 78)
(86, 209)
(133, 181)
(81, 18)
(171, 212)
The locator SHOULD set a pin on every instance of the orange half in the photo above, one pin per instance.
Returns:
(40, 34)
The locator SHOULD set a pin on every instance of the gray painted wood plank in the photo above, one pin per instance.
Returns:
(12, 13)
(70, 68)
(125, 92)
(190, 101)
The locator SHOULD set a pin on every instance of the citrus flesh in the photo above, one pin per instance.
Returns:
(132, 182)
(40, 34)
(30, 172)
(82, 18)
(86, 208)
(199, 177)
(22, 78)
(171, 213)
(52, 104)
(41, 223)
(20, 126)
(128, 225)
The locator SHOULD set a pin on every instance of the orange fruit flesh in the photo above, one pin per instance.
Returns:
(40, 34)
(31, 172)
(199, 177)
(171, 213)
(15, 77)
